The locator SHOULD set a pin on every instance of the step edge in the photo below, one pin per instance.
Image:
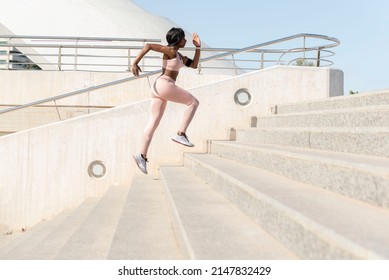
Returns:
(296, 152)
(178, 228)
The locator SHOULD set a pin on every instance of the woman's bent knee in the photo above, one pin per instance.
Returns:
(194, 103)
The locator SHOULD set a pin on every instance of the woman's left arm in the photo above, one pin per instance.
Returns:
(197, 43)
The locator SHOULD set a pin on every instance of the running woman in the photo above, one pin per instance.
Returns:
(165, 89)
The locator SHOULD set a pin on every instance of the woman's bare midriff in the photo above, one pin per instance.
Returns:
(170, 73)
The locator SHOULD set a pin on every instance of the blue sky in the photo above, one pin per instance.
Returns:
(361, 26)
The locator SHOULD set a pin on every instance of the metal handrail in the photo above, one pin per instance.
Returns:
(77, 92)
(335, 43)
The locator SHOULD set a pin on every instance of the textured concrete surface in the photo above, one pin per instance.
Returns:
(278, 192)
(370, 116)
(58, 181)
(340, 102)
(357, 176)
(214, 227)
(131, 222)
(360, 140)
(313, 223)
(145, 227)
(46, 239)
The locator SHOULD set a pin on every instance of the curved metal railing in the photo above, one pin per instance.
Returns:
(115, 54)
(234, 63)
(64, 53)
(301, 52)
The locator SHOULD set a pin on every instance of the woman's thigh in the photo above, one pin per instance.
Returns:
(167, 90)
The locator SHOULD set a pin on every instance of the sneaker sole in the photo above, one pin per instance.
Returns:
(136, 162)
(182, 143)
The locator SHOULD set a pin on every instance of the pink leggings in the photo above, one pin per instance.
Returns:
(165, 89)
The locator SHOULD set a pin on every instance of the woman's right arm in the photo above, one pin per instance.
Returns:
(169, 51)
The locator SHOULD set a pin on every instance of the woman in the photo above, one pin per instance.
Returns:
(164, 89)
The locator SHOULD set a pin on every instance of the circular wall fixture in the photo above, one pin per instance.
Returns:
(242, 97)
(97, 169)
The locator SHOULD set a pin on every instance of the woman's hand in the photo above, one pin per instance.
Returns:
(135, 70)
(196, 40)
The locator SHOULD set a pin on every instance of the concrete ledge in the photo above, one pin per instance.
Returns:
(340, 102)
(363, 140)
(370, 116)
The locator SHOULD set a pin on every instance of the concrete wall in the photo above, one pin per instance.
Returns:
(44, 170)
(21, 87)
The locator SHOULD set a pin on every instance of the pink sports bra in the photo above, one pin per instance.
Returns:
(173, 64)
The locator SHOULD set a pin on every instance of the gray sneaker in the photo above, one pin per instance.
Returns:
(182, 139)
(141, 163)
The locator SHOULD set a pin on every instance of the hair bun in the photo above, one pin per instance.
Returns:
(174, 36)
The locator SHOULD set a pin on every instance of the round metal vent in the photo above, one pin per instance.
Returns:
(97, 169)
(242, 97)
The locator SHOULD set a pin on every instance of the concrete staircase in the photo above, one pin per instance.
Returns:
(310, 182)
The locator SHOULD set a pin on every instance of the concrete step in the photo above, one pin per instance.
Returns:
(359, 140)
(58, 237)
(92, 240)
(145, 230)
(340, 102)
(357, 176)
(211, 226)
(127, 223)
(19, 244)
(370, 116)
(6, 238)
(311, 222)
(45, 239)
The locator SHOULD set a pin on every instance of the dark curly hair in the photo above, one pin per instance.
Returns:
(174, 36)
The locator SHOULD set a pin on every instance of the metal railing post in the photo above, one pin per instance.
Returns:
(304, 51)
(9, 54)
(60, 58)
(129, 59)
(235, 67)
(262, 59)
(56, 108)
(318, 57)
(76, 55)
